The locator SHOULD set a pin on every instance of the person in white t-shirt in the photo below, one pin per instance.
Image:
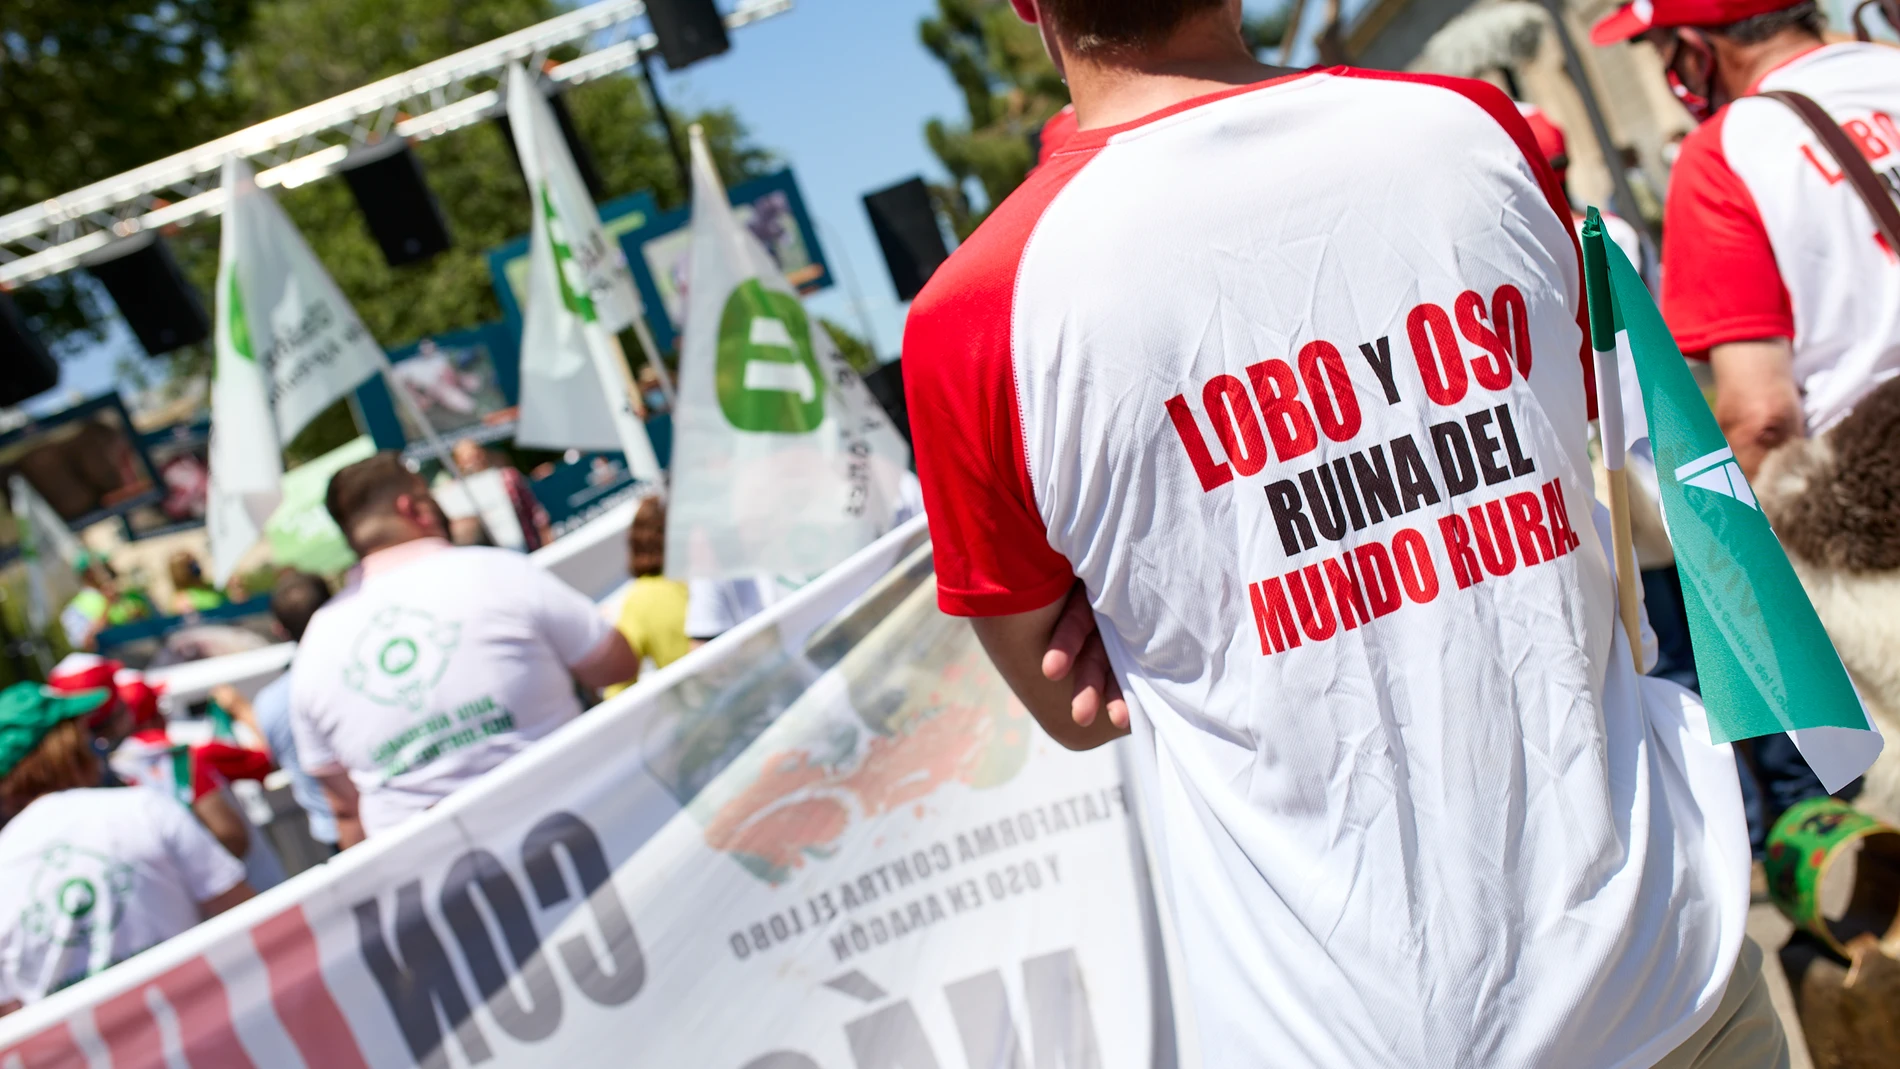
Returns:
(1773, 270)
(1271, 384)
(89, 875)
(437, 662)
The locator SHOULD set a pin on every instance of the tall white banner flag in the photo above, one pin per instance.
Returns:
(574, 380)
(288, 344)
(783, 462)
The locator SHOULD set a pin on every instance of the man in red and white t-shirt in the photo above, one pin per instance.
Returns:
(1772, 267)
(1284, 370)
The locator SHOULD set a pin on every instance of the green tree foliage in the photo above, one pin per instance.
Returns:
(91, 89)
(1010, 88)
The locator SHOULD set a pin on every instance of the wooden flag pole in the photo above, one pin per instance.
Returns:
(1628, 582)
(1596, 276)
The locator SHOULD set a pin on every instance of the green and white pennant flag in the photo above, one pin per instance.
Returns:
(580, 294)
(783, 462)
(1764, 661)
(288, 345)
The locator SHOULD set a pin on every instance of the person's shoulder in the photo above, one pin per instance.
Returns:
(981, 273)
(486, 558)
(119, 803)
(1412, 95)
(1704, 148)
(1838, 62)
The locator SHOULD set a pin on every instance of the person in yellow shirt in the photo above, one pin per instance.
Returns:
(653, 616)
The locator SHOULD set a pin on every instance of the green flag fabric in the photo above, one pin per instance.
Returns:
(1764, 661)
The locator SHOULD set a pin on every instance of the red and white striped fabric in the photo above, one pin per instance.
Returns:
(1290, 376)
(1763, 237)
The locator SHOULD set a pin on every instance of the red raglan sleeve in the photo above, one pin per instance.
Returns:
(992, 552)
(1720, 282)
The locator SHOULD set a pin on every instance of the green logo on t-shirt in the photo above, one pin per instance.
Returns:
(767, 376)
(400, 655)
(76, 894)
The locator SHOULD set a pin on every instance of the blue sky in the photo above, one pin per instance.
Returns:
(840, 90)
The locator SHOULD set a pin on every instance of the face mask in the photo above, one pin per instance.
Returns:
(1698, 105)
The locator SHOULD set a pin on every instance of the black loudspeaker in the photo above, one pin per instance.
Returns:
(689, 31)
(160, 304)
(907, 230)
(26, 368)
(396, 202)
(577, 148)
(887, 385)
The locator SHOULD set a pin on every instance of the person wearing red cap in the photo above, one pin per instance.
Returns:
(132, 734)
(1772, 267)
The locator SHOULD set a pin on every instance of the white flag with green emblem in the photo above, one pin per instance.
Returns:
(783, 463)
(1764, 661)
(288, 345)
(580, 294)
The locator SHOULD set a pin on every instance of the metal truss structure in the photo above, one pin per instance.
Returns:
(311, 142)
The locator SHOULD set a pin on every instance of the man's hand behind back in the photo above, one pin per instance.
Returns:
(1053, 659)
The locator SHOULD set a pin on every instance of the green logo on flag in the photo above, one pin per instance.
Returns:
(767, 376)
(1718, 472)
(240, 326)
(1765, 664)
(574, 292)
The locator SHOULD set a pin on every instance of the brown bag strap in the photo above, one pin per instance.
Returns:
(1853, 165)
(1861, 33)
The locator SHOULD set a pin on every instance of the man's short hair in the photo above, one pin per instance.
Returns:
(1115, 25)
(295, 598)
(646, 539)
(367, 490)
(1805, 16)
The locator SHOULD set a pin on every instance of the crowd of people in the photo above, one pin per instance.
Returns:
(433, 663)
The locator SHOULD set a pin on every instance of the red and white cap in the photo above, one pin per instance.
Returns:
(1632, 19)
(78, 672)
(83, 671)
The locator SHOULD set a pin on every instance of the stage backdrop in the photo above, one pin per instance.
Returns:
(829, 840)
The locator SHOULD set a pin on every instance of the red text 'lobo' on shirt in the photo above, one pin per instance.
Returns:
(1290, 377)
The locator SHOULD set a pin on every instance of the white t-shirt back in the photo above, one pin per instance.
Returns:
(438, 664)
(1290, 377)
(94, 876)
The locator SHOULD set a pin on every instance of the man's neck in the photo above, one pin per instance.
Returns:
(1744, 65)
(1204, 56)
(393, 554)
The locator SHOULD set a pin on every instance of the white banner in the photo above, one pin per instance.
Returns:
(580, 293)
(288, 345)
(828, 841)
(783, 463)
